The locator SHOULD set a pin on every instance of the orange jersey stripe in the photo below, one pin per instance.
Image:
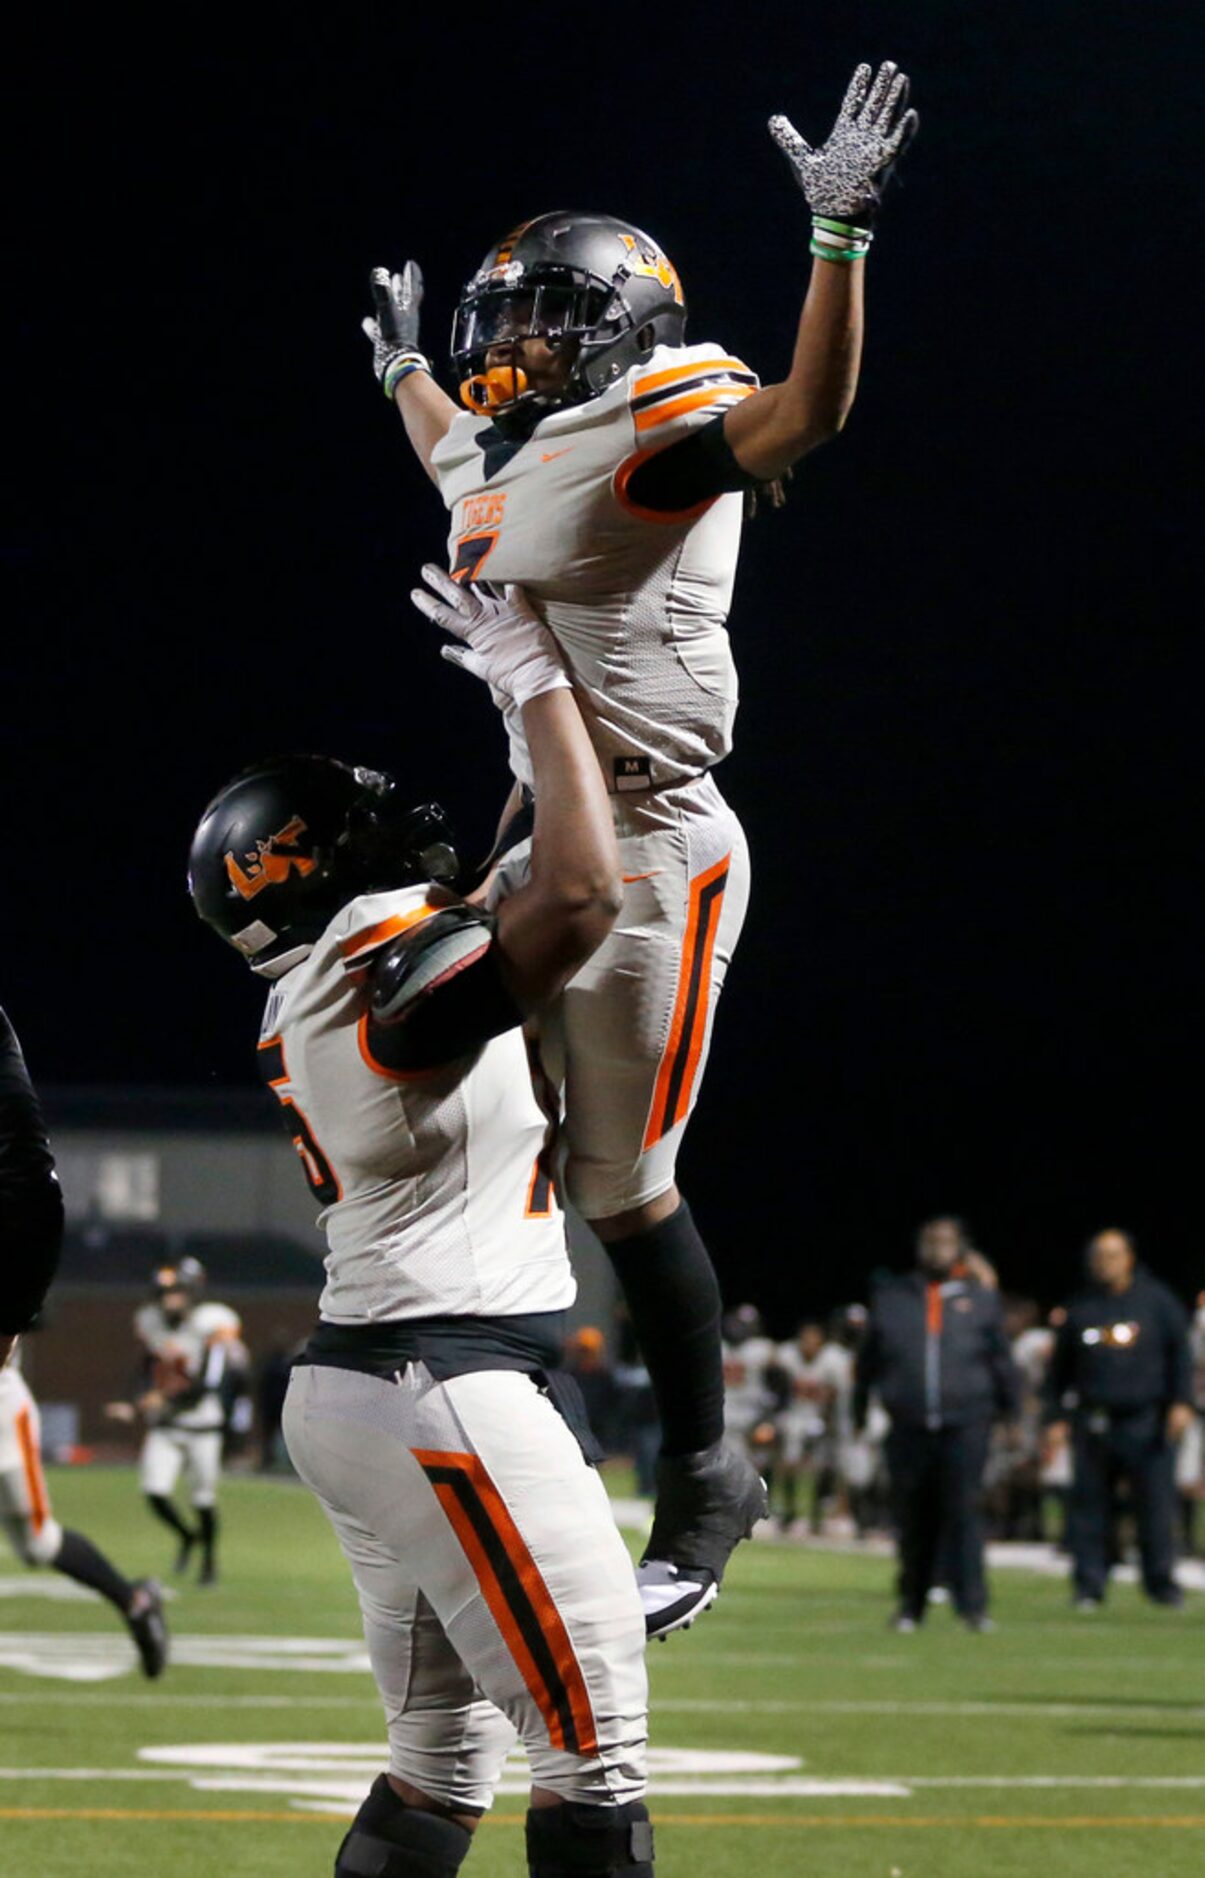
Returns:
(552, 1627)
(676, 1072)
(31, 1462)
(384, 929)
(693, 401)
(677, 373)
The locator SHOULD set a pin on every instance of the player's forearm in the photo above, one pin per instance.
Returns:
(426, 411)
(770, 431)
(552, 925)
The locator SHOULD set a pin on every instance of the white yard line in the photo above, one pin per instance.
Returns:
(816, 1785)
(169, 1698)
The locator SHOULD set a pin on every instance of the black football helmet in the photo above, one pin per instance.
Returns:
(590, 281)
(289, 841)
(186, 1274)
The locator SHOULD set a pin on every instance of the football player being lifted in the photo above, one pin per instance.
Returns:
(602, 462)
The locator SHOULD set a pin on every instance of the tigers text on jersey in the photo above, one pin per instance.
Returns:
(637, 599)
(181, 1355)
(435, 1183)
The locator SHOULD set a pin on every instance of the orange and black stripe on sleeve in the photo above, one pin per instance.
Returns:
(518, 1599)
(688, 1027)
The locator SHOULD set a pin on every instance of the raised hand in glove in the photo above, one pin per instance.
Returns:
(844, 178)
(393, 326)
(504, 642)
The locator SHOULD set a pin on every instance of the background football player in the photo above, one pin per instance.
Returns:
(495, 1589)
(31, 1232)
(601, 462)
(190, 1347)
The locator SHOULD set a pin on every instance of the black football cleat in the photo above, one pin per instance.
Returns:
(148, 1626)
(706, 1504)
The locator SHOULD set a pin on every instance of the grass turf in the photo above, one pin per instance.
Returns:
(794, 1662)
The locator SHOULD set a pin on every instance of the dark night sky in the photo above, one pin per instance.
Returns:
(967, 752)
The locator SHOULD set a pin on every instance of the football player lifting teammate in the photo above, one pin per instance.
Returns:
(427, 1413)
(598, 460)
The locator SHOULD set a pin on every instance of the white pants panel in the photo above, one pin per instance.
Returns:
(633, 1030)
(497, 1595)
(168, 1451)
(24, 1500)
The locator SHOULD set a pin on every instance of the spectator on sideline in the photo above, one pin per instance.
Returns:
(586, 1361)
(1120, 1391)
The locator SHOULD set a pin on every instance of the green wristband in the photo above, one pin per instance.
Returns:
(400, 368)
(842, 228)
(824, 253)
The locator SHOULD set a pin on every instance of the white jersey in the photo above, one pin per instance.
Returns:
(185, 1354)
(637, 599)
(818, 1385)
(747, 1395)
(435, 1184)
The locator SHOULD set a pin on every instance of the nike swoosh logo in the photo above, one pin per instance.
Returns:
(546, 456)
(629, 878)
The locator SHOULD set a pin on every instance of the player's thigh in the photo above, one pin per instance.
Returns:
(351, 1439)
(202, 1465)
(637, 1020)
(555, 1634)
(159, 1462)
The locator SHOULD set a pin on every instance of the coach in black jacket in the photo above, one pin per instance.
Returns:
(936, 1354)
(1121, 1366)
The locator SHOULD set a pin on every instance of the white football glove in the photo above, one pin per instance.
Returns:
(504, 642)
(845, 176)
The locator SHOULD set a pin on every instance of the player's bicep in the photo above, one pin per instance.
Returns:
(681, 461)
(437, 993)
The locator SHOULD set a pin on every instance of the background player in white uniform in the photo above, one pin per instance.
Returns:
(820, 1375)
(496, 1593)
(31, 1231)
(600, 462)
(189, 1346)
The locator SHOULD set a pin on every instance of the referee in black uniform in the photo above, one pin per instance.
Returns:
(31, 1237)
(31, 1206)
(1120, 1387)
(936, 1354)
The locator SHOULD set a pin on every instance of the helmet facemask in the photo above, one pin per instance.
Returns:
(562, 306)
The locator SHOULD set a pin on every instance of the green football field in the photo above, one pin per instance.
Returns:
(791, 1731)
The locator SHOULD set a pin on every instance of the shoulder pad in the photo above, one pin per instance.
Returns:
(416, 962)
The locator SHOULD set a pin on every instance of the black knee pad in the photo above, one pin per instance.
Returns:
(571, 1841)
(389, 1839)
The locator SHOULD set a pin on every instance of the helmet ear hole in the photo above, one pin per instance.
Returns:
(646, 339)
